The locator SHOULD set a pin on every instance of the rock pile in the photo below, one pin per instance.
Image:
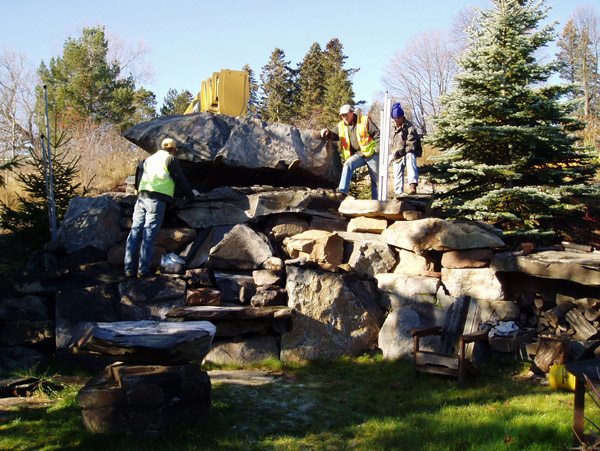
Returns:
(285, 271)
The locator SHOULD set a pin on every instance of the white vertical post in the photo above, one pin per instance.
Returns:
(384, 148)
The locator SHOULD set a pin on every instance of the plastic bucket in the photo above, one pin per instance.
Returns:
(560, 378)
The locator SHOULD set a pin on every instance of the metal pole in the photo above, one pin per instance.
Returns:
(49, 179)
(384, 148)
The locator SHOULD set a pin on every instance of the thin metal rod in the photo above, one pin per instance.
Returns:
(49, 177)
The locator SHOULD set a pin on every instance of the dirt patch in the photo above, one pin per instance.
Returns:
(247, 377)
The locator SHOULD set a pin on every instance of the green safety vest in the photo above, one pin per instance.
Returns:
(156, 176)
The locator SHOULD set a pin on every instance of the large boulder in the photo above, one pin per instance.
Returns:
(249, 350)
(480, 283)
(240, 248)
(441, 235)
(404, 289)
(90, 221)
(249, 151)
(333, 318)
(395, 341)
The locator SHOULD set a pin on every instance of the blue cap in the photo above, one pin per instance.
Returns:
(397, 110)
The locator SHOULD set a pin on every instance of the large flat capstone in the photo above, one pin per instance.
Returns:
(243, 151)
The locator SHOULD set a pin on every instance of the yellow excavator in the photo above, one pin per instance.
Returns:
(226, 92)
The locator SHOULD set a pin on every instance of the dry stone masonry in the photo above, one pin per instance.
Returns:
(280, 269)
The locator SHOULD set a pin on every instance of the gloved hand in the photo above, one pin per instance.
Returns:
(399, 154)
(196, 193)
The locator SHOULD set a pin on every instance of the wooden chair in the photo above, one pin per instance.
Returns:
(457, 339)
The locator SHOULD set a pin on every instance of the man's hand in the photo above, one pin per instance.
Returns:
(196, 193)
(399, 154)
(325, 133)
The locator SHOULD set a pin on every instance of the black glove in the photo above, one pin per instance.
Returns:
(399, 154)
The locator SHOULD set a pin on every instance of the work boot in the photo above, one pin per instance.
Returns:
(412, 189)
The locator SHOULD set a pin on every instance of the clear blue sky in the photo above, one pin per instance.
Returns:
(188, 40)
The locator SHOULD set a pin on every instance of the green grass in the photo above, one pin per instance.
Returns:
(364, 403)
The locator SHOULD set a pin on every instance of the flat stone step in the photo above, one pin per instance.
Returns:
(146, 342)
(214, 313)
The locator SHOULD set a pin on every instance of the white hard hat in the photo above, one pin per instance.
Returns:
(168, 143)
(345, 109)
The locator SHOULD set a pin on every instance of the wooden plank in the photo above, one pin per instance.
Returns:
(453, 324)
(428, 358)
(432, 369)
(471, 324)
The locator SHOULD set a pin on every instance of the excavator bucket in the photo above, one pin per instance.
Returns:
(226, 92)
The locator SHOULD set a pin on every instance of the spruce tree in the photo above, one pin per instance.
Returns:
(338, 84)
(28, 220)
(311, 82)
(254, 102)
(509, 157)
(278, 88)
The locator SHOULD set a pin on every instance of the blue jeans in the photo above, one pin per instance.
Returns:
(147, 218)
(355, 162)
(412, 174)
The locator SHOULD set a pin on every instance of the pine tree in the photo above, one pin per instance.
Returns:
(254, 102)
(278, 89)
(311, 83)
(176, 102)
(509, 157)
(338, 84)
(83, 85)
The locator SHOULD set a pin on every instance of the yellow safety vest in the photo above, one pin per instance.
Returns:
(365, 141)
(156, 176)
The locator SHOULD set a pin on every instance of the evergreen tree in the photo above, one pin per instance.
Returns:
(311, 84)
(338, 84)
(278, 89)
(29, 219)
(509, 157)
(254, 103)
(145, 106)
(176, 102)
(83, 85)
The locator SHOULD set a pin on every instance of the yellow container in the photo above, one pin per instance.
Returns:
(560, 378)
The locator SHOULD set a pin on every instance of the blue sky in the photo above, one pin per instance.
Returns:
(188, 40)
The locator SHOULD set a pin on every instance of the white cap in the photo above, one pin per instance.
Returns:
(168, 143)
(345, 109)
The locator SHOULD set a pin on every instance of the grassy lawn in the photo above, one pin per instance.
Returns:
(362, 403)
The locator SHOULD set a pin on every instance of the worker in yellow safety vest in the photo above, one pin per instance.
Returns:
(156, 179)
(359, 141)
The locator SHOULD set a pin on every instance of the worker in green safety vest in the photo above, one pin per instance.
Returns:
(156, 179)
